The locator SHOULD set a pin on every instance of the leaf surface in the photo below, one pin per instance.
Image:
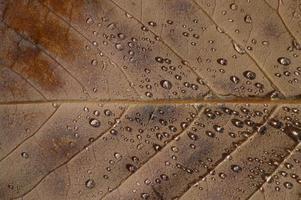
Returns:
(128, 99)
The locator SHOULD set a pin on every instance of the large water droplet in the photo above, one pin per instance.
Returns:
(131, 168)
(233, 6)
(94, 122)
(293, 132)
(166, 84)
(237, 123)
(119, 46)
(249, 75)
(288, 185)
(90, 183)
(192, 136)
(238, 48)
(284, 61)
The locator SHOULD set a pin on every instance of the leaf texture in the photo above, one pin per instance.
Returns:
(150, 99)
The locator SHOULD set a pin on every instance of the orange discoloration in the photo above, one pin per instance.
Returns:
(36, 22)
(64, 8)
(28, 60)
(36, 67)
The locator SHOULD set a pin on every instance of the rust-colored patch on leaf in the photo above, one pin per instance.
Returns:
(38, 69)
(36, 22)
(64, 8)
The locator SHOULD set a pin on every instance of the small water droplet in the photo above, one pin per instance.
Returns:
(234, 79)
(236, 168)
(218, 128)
(121, 36)
(25, 155)
(248, 19)
(107, 112)
(149, 94)
(89, 20)
(233, 6)
(119, 46)
(117, 156)
(151, 23)
(222, 61)
(145, 196)
(96, 113)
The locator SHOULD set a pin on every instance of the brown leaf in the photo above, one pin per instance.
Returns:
(150, 99)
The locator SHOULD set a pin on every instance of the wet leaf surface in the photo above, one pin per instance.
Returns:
(128, 99)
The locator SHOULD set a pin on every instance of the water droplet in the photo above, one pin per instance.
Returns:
(237, 123)
(157, 147)
(96, 113)
(121, 36)
(166, 84)
(238, 48)
(284, 61)
(218, 128)
(117, 156)
(107, 112)
(172, 128)
(111, 26)
(131, 168)
(210, 133)
(149, 94)
(222, 175)
(94, 122)
(233, 6)
(159, 59)
(288, 185)
(236, 168)
(89, 20)
(145, 196)
(90, 183)
(119, 46)
(296, 44)
(151, 23)
(169, 22)
(249, 75)
(25, 155)
(94, 62)
(222, 61)
(164, 177)
(293, 132)
(275, 123)
(248, 19)
(234, 79)
(192, 136)
(175, 149)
